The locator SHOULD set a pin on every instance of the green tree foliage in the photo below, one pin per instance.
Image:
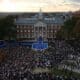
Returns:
(7, 28)
(76, 30)
(68, 30)
(69, 26)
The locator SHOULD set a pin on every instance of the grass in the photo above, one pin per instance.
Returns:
(63, 72)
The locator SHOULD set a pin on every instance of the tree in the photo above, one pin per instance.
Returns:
(70, 29)
(7, 28)
(76, 30)
(69, 26)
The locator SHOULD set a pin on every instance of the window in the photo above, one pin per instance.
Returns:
(28, 30)
(25, 35)
(31, 35)
(17, 30)
(40, 28)
(32, 27)
(24, 30)
(51, 30)
(24, 27)
(21, 30)
(17, 26)
(18, 36)
(55, 31)
(36, 28)
(32, 30)
(21, 35)
(43, 33)
(55, 26)
(43, 28)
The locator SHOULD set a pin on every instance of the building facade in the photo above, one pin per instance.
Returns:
(38, 25)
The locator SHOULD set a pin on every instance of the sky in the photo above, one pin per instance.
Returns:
(35, 5)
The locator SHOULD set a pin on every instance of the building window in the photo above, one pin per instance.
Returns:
(51, 27)
(32, 27)
(21, 30)
(30, 35)
(32, 30)
(24, 30)
(43, 28)
(17, 30)
(51, 30)
(40, 28)
(55, 31)
(21, 26)
(25, 36)
(36, 28)
(55, 26)
(24, 27)
(17, 26)
(28, 30)
(21, 35)
(18, 36)
(43, 33)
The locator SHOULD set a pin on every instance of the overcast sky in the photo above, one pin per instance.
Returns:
(35, 5)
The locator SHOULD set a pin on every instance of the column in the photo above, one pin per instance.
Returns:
(42, 33)
(38, 32)
(34, 32)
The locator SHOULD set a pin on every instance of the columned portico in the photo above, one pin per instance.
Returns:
(40, 30)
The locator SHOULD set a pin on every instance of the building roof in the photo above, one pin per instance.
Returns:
(57, 20)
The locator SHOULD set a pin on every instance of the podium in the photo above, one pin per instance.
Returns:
(39, 44)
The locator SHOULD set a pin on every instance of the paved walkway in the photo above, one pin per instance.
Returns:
(40, 70)
(69, 68)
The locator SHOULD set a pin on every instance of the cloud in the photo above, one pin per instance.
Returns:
(35, 5)
(54, 2)
(75, 0)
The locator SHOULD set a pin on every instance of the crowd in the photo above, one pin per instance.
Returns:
(21, 61)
